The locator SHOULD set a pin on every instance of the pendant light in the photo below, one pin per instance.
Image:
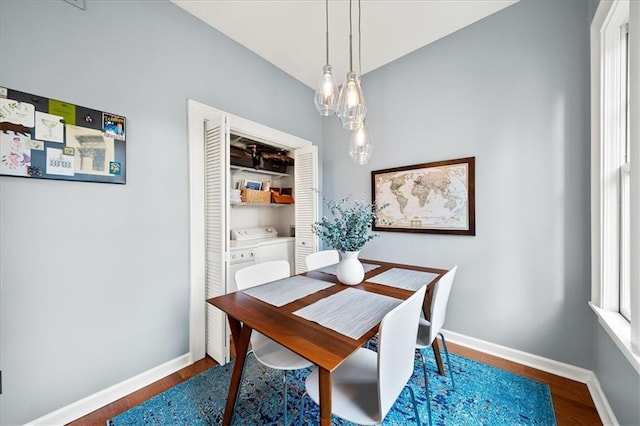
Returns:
(351, 108)
(326, 97)
(360, 144)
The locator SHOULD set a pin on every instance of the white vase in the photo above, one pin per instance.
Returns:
(350, 270)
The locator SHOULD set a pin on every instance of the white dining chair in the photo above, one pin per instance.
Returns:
(322, 258)
(367, 384)
(266, 351)
(429, 330)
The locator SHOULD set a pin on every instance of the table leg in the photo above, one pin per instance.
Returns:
(426, 308)
(325, 397)
(241, 335)
(436, 353)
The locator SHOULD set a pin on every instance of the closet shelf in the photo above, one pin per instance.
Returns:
(262, 172)
(272, 205)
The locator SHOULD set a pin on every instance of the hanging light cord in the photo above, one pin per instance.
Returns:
(326, 14)
(350, 40)
(359, 42)
(360, 48)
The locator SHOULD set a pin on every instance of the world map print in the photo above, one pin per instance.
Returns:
(424, 198)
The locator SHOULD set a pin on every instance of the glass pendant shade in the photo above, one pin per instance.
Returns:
(351, 108)
(326, 97)
(361, 145)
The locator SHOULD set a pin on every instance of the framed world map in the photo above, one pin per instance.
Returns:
(436, 198)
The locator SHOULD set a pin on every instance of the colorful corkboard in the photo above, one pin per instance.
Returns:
(46, 138)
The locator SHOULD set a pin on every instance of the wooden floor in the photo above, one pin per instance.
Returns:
(571, 400)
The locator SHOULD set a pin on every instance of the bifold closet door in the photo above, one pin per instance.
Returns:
(216, 225)
(306, 204)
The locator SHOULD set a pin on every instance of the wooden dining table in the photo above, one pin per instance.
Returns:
(324, 347)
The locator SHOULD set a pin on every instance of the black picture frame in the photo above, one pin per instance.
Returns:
(46, 138)
(436, 198)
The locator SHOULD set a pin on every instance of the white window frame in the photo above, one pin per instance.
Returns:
(605, 171)
(625, 190)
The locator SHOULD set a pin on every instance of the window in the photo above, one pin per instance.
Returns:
(625, 184)
(614, 193)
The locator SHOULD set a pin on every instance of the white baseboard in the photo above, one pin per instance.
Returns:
(91, 403)
(602, 404)
(550, 366)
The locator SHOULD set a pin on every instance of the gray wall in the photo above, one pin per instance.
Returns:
(619, 381)
(513, 91)
(94, 277)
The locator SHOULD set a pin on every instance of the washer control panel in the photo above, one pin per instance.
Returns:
(257, 233)
(243, 255)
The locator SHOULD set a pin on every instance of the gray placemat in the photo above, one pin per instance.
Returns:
(351, 312)
(403, 278)
(279, 293)
(331, 269)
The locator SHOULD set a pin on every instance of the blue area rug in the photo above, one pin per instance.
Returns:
(484, 395)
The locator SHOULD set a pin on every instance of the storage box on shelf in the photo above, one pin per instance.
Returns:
(281, 199)
(253, 196)
(272, 166)
(274, 162)
(241, 157)
(281, 195)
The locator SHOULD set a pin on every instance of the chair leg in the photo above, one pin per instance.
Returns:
(415, 406)
(285, 397)
(304, 397)
(446, 353)
(426, 383)
(424, 369)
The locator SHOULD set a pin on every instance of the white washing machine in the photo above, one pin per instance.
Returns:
(254, 245)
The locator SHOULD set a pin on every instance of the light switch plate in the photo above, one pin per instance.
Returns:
(76, 3)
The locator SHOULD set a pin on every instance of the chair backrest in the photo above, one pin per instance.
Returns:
(439, 302)
(320, 259)
(396, 349)
(261, 273)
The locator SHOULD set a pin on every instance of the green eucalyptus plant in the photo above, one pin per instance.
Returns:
(348, 230)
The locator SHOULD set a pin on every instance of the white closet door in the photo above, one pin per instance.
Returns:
(216, 225)
(306, 203)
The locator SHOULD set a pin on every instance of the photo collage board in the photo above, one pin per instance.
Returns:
(50, 139)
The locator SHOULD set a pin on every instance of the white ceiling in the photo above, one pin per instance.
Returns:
(291, 33)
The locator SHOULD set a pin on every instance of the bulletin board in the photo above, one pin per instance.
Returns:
(46, 138)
